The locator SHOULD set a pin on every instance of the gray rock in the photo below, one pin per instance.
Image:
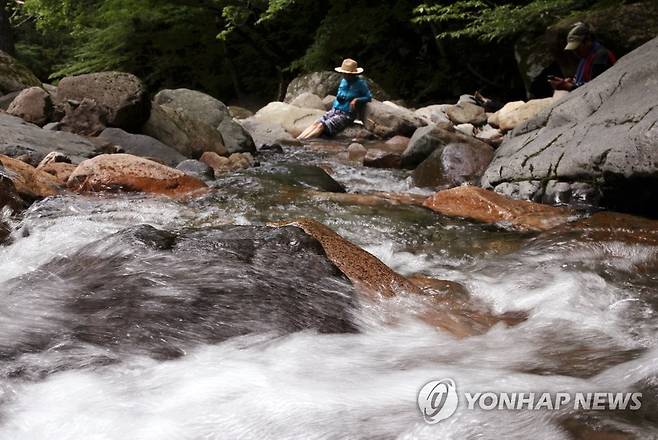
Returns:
(196, 168)
(433, 114)
(123, 94)
(19, 137)
(32, 105)
(605, 132)
(142, 145)
(308, 100)
(264, 132)
(388, 120)
(326, 83)
(467, 113)
(239, 112)
(454, 164)
(15, 77)
(307, 176)
(6, 100)
(376, 158)
(87, 118)
(236, 138)
(427, 139)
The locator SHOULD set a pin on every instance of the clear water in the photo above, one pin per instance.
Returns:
(591, 325)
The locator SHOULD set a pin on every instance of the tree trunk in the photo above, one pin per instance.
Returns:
(6, 35)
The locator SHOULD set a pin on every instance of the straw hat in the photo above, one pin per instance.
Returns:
(350, 67)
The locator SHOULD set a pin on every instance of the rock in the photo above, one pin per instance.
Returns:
(87, 118)
(427, 139)
(525, 190)
(488, 207)
(111, 172)
(467, 113)
(15, 77)
(52, 126)
(6, 100)
(325, 83)
(9, 197)
(306, 176)
(387, 120)
(356, 152)
(200, 109)
(490, 135)
(454, 164)
(577, 194)
(328, 102)
(368, 274)
(123, 94)
(239, 112)
(398, 143)
(382, 159)
(467, 129)
(433, 114)
(355, 132)
(466, 99)
(196, 168)
(188, 136)
(54, 157)
(32, 105)
(603, 133)
(267, 133)
(293, 119)
(308, 100)
(143, 146)
(372, 199)
(31, 184)
(515, 113)
(61, 171)
(611, 227)
(222, 165)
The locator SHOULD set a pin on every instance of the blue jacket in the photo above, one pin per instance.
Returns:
(349, 90)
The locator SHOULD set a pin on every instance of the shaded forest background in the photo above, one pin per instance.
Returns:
(247, 51)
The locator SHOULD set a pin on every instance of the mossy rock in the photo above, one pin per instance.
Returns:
(14, 76)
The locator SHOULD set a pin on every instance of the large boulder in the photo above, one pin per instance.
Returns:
(123, 94)
(111, 172)
(454, 164)
(427, 139)
(32, 105)
(326, 83)
(308, 100)
(293, 119)
(515, 113)
(210, 111)
(14, 76)
(604, 133)
(30, 183)
(433, 114)
(387, 120)
(143, 146)
(265, 132)
(21, 138)
(188, 136)
(622, 27)
(489, 207)
(466, 113)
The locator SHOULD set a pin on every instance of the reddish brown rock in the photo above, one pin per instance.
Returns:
(61, 171)
(613, 226)
(110, 172)
(31, 184)
(382, 159)
(489, 207)
(370, 199)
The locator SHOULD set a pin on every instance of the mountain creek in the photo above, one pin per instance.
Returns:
(219, 316)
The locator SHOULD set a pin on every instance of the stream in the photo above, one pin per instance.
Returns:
(137, 317)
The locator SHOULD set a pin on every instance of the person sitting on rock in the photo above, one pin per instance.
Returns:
(594, 58)
(352, 92)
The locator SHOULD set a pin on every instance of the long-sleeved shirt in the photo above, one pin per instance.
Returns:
(356, 88)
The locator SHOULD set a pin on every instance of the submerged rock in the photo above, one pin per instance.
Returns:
(112, 172)
(196, 168)
(489, 207)
(307, 176)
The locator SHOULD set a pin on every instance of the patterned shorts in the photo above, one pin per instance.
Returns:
(335, 121)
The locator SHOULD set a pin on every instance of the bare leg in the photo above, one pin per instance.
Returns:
(305, 133)
(313, 131)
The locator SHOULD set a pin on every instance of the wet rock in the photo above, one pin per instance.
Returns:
(122, 94)
(611, 227)
(9, 197)
(387, 121)
(266, 132)
(467, 113)
(14, 76)
(308, 100)
(356, 152)
(61, 171)
(293, 119)
(123, 172)
(427, 139)
(433, 114)
(239, 112)
(198, 110)
(307, 176)
(196, 168)
(382, 159)
(526, 190)
(603, 133)
(143, 146)
(87, 118)
(454, 164)
(325, 83)
(515, 113)
(371, 199)
(355, 132)
(33, 105)
(489, 207)
(397, 144)
(222, 165)
(31, 184)
(222, 282)
(188, 136)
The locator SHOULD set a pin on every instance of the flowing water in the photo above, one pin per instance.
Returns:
(110, 329)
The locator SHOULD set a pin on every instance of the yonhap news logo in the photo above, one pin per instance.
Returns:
(439, 400)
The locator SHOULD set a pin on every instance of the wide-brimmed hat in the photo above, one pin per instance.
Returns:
(578, 33)
(350, 67)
